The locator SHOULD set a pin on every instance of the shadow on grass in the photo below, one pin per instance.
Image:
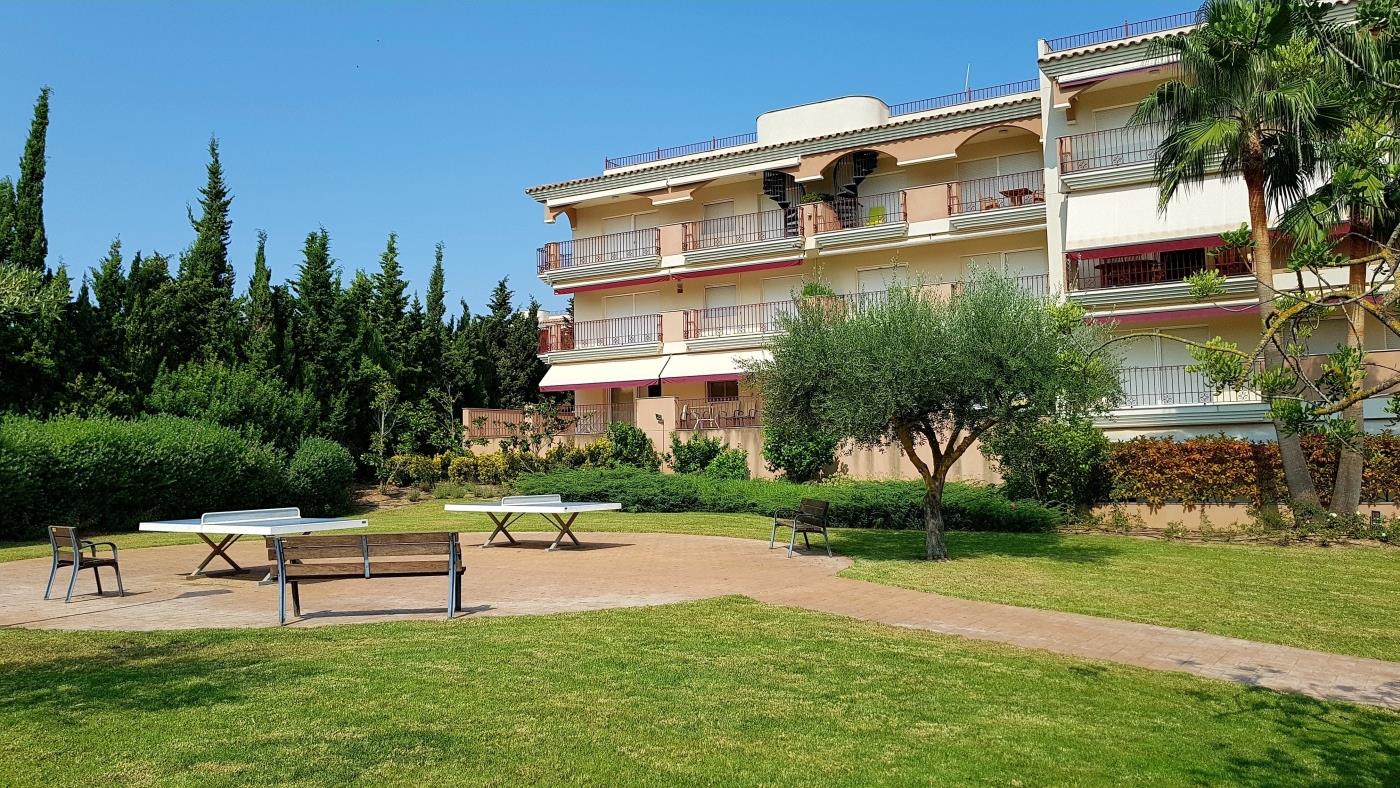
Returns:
(880, 545)
(1314, 743)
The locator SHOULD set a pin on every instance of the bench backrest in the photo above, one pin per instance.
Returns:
(812, 511)
(362, 547)
(530, 500)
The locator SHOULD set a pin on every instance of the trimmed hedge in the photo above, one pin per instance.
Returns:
(320, 477)
(108, 475)
(854, 504)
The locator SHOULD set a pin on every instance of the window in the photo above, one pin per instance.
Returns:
(722, 389)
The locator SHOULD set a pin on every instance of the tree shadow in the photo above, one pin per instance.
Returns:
(1310, 742)
(882, 545)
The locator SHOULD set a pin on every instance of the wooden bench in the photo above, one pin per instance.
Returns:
(303, 559)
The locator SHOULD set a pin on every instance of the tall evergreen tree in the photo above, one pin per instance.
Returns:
(206, 275)
(437, 290)
(259, 314)
(31, 245)
(319, 330)
(7, 221)
(389, 300)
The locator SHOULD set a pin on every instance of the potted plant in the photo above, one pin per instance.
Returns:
(818, 213)
(816, 290)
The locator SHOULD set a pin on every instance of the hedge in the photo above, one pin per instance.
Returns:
(1223, 469)
(107, 475)
(320, 477)
(854, 504)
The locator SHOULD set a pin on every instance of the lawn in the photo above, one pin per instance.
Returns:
(1338, 599)
(719, 691)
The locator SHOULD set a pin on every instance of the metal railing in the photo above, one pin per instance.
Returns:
(1099, 150)
(503, 423)
(607, 332)
(713, 143)
(1151, 269)
(965, 97)
(719, 414)
(629, 245)
(865, 210)
(741, 320)
(1125, 30)
(1150, 387)
(999, 191)
(741, 229)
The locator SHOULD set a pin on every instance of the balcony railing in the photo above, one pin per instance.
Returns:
(608, 332)
(865, 210)
(965, 97)
(999, 191)
(1151, 387)
(1152, 269)
(503, 423)
(719, 414)
(741, 320)
(629, 245)
(1125, 30)
(704, 146)
(1100, 150)
(742, 229)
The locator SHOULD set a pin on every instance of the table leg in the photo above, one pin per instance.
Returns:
(502, 523)
(565, 529)
(217, 549)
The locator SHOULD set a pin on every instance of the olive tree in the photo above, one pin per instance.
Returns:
(924, 369)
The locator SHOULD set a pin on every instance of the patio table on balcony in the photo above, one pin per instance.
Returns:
(1016, 196)
(1118, 273)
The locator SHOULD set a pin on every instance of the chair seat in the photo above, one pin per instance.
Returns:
(376, 569)
(799, 526)
(84, 562)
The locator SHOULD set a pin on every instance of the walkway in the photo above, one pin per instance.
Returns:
(624, 570)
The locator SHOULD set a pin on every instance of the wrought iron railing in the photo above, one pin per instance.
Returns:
(741, 229)
(704, 146)
(1100, 150)
(865, 210)
(1125, 30)
(1151, 269)
(999, 191)
(629, 245)
(608, 332)
(741, 320)
(965, 97)
(727, 413)
(1149, 387)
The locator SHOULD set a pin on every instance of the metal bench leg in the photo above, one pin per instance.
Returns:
(72, 581)
(97, 577)
(53, 572)
(806, 540)
(773, 537)
(121, 591)
(792, 544)
(296, 599)
(826, 536)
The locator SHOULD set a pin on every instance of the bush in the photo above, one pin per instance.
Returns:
(632, 448)
(321, 477)
(854, 504)
(1058, 462)
(462, 470)
(802, 456)
(107, 475)
(240, 398)
(695, 454)
(421, 471)
(490, 468)
(729, 464)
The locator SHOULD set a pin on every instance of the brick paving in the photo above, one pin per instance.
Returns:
(626, 570)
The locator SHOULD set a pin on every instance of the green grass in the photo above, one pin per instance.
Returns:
(718, 692)
(1337, 599)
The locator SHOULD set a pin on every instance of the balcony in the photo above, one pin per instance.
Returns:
(640, 331)
(719, 414)
(615, 252)
(865, 210)
(1152, 269)
(1125, 30)
(745, 235)
(573, 420)
(965, 97)
(1169, 386)
(1100, 150)
(704, 146)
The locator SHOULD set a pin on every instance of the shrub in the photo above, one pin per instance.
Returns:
(422, 471)
(321, 477)
(1059, 462)
(450, 490)
(108, 475)
(854, 504)
(240, 398)
(729, 464)
(490, 468)
(800, 455)
(462, 470)
(695, 454)
(631, 447)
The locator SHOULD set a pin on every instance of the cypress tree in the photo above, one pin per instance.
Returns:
(7, 221)
(31, 245)
(389, 302)
(437, 295)
(205, 271)
(260, 317)
(319, 329)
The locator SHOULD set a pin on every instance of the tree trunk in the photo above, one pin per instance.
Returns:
(1290, 449)
(1346, 488)
(935, 549)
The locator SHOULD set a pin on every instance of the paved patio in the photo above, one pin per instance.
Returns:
(626, 570)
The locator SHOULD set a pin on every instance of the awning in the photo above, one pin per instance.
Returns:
(1129, 250)
(622, 373)
(697, 367)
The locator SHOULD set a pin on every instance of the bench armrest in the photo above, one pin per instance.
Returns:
(94, 545)
(781, 513)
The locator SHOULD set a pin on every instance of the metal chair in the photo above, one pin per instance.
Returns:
(68, 551)
(809, 517)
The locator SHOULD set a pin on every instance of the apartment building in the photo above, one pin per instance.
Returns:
(681, 260)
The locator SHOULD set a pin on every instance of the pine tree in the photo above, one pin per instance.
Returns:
(206, 275)
(31, 245)
(389, 302)
(263, 342)
(7, 221)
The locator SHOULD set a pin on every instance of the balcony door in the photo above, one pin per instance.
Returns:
(1154, 371)
(984, 180)
(1028, 266)
(628, 320)
(722, 316)
(626, 244)
(873, 284)
(780, 298)
(719, 227)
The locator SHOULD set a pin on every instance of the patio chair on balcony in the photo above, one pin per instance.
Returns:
(876, 216)
(810, 517)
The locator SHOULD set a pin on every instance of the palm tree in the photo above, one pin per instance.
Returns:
(1237, 108)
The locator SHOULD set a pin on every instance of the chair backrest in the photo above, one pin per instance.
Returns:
(362, 547)
(64, 541)
(530, 500)
(812, 511)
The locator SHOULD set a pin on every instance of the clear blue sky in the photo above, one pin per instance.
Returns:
(429, 119)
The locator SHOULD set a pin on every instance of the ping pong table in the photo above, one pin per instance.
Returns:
(250, 522)
(558, 513)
